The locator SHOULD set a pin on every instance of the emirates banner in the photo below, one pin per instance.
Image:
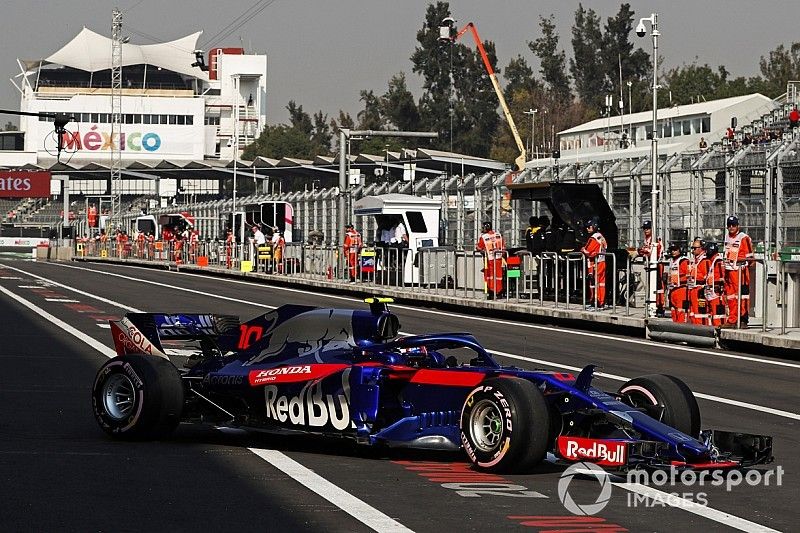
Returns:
(23, 184)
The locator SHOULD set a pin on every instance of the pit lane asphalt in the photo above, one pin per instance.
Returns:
(61, 471)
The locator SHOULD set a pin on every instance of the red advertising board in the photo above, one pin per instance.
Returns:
(24, 184)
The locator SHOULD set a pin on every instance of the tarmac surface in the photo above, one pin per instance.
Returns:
(59, 471)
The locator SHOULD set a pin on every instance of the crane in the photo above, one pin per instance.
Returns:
(444, 35)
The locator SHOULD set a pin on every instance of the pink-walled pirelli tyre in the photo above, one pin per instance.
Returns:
(505, 425)
(665, 398)
(137, 397)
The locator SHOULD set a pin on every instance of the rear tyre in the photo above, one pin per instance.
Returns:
(665, 398)
(138, 397)
(505, 425)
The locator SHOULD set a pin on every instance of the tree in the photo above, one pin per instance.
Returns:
(370, 118)
(304, 138)
(321, 135)
(398, 105)
(553, 62)
(519, 77)
(345, 121)
(688, 83)
(462, 110)
(432, 60)
(280, 141)
(475, 109)
(587, 72)
(299, 119)
(618, 51)
(781, 66)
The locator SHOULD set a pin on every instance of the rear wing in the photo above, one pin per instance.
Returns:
(142, 333)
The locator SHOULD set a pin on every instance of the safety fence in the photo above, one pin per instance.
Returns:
(759, 183)
(554, 281)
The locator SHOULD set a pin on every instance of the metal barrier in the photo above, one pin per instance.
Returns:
(559, 278)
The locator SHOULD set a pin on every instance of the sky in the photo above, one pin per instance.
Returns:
(322, 53)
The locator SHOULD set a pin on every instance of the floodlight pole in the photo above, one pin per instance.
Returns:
(532, 112)
(344, 152)
(653, 277)
(236, 82)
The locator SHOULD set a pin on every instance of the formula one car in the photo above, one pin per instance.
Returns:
(348, 373)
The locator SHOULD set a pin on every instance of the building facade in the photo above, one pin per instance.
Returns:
(177, 103)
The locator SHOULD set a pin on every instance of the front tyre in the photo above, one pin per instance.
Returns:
(137, 397)
(505, 425)
(665, 398)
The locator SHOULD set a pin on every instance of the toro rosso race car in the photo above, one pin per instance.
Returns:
(348, 373)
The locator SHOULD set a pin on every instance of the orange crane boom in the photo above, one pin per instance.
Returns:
(520, 160)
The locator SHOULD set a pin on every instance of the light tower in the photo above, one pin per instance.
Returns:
(641, 31)
(116, 114)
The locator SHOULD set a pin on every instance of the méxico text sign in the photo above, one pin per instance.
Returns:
(23, 184)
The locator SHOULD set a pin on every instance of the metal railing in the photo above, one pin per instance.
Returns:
(549, 280)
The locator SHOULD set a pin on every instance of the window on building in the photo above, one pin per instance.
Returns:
(705, 125)
(137, 119)
(128, 118)
(189, 120)
(95, 117)
(416, 221)
(162, 119)
(181, 120)
(687, 127)
(173, 119)
(666, 129)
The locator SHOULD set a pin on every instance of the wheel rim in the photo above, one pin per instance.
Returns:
(486, 425)
(119, 396)
(640, 400)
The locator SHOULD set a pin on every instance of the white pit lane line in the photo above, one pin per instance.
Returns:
(543, 362)
(361, 510)
(339, 497)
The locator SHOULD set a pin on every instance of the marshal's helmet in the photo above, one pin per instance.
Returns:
(712, 249)
(487, 226)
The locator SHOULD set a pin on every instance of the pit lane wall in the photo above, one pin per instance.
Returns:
(549, 288)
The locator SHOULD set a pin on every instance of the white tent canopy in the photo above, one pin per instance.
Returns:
(91, 52)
